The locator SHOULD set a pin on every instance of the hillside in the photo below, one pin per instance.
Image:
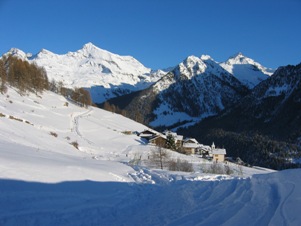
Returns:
(46, 180)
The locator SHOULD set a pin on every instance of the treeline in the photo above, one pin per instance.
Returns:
(29, 77)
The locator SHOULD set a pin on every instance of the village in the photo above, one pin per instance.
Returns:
(188, 146)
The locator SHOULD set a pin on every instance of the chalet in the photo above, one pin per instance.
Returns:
(190, 146)
(159, 140)
(218, 154)
(204, 150)
(148, 134)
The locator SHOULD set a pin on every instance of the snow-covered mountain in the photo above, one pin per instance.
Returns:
(105, 74)
(195, 89)
(109, 75)
(46, 180)
(249, 72)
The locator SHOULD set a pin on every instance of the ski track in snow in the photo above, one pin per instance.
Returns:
(75, 123)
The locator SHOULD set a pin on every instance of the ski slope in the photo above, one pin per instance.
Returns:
(44, 180)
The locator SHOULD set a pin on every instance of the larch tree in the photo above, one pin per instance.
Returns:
(2, 77)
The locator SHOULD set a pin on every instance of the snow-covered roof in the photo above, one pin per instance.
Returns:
(191, 140)
(190, 145)
(157, 136)
(148, 133)
(179, 137)
(219, 151)
(205, 147)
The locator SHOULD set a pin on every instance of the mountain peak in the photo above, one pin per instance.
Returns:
(237, 55)
(192, 58)
(191, 66)
(245, 69)
(89, 46)
(206, 57)
(239, 58)
(17, 53)
(45, 51)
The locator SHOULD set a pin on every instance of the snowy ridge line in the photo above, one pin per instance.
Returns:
(94, 68)
(102, 72)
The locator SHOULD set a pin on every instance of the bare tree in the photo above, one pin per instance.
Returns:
(24, 75)
(180, 165)
(2, 77)
(81, 96)
(159, 156)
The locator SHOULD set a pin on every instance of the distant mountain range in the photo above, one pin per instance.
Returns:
(195, 89)
(109, 75)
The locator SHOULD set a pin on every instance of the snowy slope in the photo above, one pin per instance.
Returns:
(40, 137)
(44, 180)
(246, 70)
(106, 74)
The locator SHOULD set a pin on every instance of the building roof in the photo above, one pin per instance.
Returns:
(191, 140)
(190, 145)
(157, 136)
(148, 133)
(205, 147)
(179, 137)
(219, 151)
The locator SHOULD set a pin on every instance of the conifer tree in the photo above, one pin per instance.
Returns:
(170, 142)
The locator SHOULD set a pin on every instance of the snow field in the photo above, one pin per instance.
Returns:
(47, 181)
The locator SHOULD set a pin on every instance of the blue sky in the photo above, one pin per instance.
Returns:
(159, 33)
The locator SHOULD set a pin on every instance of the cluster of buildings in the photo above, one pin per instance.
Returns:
(188, 145)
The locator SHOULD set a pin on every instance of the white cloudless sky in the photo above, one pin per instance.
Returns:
(157, 33)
